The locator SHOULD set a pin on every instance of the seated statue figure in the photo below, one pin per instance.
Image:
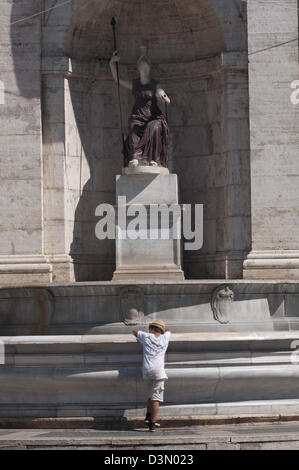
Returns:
(148, 139)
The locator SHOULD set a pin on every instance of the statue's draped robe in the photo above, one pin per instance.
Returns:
(148, 138)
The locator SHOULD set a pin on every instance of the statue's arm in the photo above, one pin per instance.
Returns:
(114, 59)
(161, 95)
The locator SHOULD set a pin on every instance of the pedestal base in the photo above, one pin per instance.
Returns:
(171, 274)
(280, 264)
(24, 269)
(148, 244)
(142, 170)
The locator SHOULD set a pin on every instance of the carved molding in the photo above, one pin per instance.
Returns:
(221, 303)
(132, 305)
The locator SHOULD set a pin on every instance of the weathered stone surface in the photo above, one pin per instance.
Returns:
(150, 256)
(166, 438)
(64, 81)
(223, 446)
(273, 140)
(100, 375)
(186, 306)
(214, 150)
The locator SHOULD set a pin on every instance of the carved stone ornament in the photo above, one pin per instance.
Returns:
(132, 305)
(221, 303)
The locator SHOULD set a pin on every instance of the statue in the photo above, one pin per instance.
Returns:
(148, 140)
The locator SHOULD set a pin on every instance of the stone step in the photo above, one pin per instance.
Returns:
(226, 437)
(92, 376)
(166, 420)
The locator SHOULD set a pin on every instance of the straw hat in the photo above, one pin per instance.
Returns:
(159, 324)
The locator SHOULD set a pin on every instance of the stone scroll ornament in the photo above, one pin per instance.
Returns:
(221, 303)
(132, 305)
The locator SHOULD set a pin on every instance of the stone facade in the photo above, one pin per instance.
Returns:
(227, 67)
(234, 134)
(274, 141)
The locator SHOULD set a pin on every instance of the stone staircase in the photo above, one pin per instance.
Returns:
(100, 375)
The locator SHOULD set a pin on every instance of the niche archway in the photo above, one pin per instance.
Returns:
(191, 46)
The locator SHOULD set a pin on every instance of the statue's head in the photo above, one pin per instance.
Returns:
(143, 63)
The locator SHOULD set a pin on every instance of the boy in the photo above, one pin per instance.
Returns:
(155, 344)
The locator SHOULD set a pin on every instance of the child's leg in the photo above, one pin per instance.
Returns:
(156, 398)
(154, 410)
(154, 402)
(148, 417)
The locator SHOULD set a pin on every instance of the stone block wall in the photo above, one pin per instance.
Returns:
(274, 139)
(21, 243)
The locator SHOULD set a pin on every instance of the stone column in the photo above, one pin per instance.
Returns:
(81, 156)
(211, 156)
(22, 258)
(274, 140)
(56, 144)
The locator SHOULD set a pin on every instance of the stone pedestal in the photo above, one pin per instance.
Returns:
(147, 248)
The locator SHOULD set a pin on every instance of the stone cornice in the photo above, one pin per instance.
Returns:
(99, 70)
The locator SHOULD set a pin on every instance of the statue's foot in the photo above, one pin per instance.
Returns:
(133, 163)
(153, 163)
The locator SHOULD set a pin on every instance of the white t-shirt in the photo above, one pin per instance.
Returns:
(154, 349)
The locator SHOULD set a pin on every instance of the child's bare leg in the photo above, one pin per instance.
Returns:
(154, 410)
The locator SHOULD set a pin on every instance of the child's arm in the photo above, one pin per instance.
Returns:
(167, 334)
(140, 335)
(135, 332)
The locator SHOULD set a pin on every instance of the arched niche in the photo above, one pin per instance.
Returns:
(174, 30)
(198, 51)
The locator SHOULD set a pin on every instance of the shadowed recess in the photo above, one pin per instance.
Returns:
(174, 30)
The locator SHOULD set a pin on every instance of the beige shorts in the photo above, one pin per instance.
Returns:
(156, 389)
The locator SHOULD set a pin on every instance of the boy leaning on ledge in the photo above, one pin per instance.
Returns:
(155, 344)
